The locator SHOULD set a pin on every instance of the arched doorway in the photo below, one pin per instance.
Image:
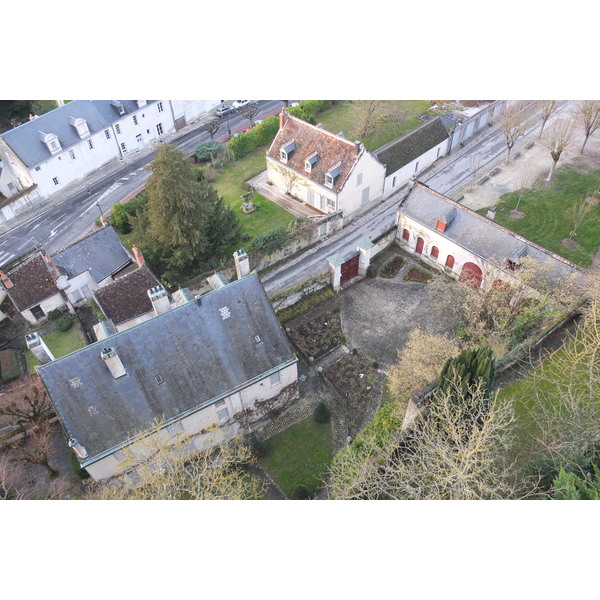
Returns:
(472, 275)
(435, 252)
(420, 244)
(450, 261)
(405, 235)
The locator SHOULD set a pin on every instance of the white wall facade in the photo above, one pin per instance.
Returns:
(47, 305)
(191, 110)
(202, 419)
(77, 290)
(363, 186)
(394, 181)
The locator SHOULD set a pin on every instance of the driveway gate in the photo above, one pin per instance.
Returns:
(350, 267)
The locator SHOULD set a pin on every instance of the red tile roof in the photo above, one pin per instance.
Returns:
(332, 149)
(32, 283)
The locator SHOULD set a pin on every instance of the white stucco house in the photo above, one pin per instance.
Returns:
(221, 358)
(71, 142)
(465, 244)
(327, 171)
(406, 157)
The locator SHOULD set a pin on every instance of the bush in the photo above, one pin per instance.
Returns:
(120, 213)
(305, 304)
(302, 492)
(321, 413)
(372, 271)
(55, 314)
(64, 323)
(261, 448)
(271, 240)
(208, 150)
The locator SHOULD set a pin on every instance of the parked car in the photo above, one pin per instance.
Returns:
(239, 103)
(223, 110)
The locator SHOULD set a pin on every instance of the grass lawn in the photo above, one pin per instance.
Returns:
(60, 343)
(339, 118)
(9, 364)
(300, 455)
(548, 214)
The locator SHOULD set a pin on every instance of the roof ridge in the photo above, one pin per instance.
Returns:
(321, 130)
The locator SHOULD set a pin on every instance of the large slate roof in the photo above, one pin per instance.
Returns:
(101, 253)
(32, 283)
(127, 297)
(201, 350)
(398, 153)
(25, 142)
(476, 233)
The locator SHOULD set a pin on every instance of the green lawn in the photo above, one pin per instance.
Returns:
(300, 455)
(60, 343)
(549, 214)
(339, 119)
(9, 364)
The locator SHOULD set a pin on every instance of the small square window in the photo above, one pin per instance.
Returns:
(330, 203)
(90, 145)
(107, 134)
(123, 147)
(135, 120)
(160, 107)
(359, 179)
(55, 180)
(118, 128)
(275, 379)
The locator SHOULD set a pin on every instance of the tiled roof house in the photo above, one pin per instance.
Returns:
(213, 359)
(325, 170)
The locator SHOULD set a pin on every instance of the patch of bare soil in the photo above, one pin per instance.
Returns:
(516, 214)
(569, 243)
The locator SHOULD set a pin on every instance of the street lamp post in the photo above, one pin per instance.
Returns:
(228, 127)
(101, 214)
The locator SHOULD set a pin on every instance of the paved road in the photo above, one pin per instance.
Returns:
(448, 176)
(59, 225)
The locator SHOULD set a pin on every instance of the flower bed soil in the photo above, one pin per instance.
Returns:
(319, 335)
(415, 274)
(353, 377)
(392, 267)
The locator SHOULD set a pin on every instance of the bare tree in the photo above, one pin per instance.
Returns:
(26, 403)
(557, 140)
(475, 162)
(580, 211)
(213, 126)
(523, 182)
(368, 115)
(249, 111)
(547, 108)
(35, 446)
(458, 451)
(419, 362)
(513, 122)
(164, 467)
(589, 116)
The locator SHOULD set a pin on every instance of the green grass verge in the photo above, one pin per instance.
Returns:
(300, 455)
(339, 118)
(60, 343)
(9, 364)
(548, 214)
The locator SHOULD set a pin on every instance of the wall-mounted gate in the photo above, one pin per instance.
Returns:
(349, 267)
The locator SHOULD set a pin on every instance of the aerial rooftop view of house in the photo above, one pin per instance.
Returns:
(198, 363)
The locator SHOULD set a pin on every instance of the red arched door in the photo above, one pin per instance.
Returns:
(472, 275)
(405, 235)
(420, 244)
(434, 252)
(450, 261)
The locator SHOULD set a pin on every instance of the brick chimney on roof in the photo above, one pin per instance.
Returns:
(139, 257)
(5, 280)
(283, 117)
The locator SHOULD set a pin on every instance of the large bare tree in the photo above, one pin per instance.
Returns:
(249, 111)
(557, 140)
(547, 108)
(589, 117)
(513, 122)
(213, 126)
(368, 115)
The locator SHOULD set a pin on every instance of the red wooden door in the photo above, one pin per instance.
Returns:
(471, 275)
(420, 244)
(350, 268)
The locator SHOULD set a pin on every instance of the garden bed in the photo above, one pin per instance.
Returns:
(392, 267)
(319, 335)
(418, 275)
(353, 377)
(9, 364)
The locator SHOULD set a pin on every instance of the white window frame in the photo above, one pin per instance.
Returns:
(359, 179)
(159, 129)
(107, 134)
(123, 147)
(160, 107)
(117, 128)
(135, 121)
(55, 180)
(328, 180)
(275, 378)
(90, 144)
(72, 154)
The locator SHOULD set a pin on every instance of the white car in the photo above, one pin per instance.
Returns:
(239, 103)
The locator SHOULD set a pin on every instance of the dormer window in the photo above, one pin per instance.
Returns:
(118, 106)
(447, 218)
(332, 174)
(310, 161)
(80, 125)
(286, 151)
(51, 142)
(513, 262)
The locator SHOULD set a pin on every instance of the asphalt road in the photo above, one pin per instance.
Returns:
(60, 225)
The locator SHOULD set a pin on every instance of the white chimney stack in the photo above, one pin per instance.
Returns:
(113, 362)
(78, 448)
(38, 348)
(242, 264)
(160, 299)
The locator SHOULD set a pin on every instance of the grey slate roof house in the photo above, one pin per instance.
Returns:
(209, 360)
(446, 234)
(411, 154)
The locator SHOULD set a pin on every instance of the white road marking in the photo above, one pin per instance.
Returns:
(6, 257)
(25, 244)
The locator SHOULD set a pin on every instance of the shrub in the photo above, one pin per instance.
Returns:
(64, 323)
(354, 351)
(55, 314)
(305, 304)
(308, 110)
(120, 219)
(271, 240)
(371, 271)
(302, 492)
(208, 150)
(261, 448)
(321, 413)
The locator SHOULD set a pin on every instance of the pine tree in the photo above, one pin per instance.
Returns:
(223, 229)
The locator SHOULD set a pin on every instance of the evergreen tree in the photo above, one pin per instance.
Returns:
(471, 367)
(223, 226)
